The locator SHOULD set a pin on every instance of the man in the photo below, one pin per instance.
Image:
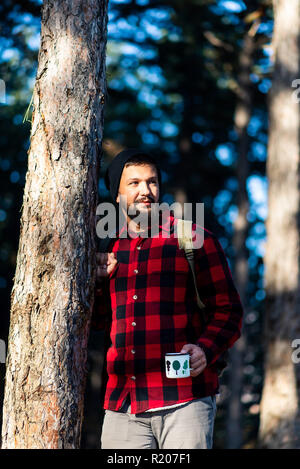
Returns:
(146, 300)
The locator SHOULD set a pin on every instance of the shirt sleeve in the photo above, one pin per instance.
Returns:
(223, 307)
(102, 315)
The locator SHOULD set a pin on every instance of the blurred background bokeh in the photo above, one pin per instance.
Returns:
(187, 80)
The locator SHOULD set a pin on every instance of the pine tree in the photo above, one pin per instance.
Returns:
(279, 408)
(52, 296)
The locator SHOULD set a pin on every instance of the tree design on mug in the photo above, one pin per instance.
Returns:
(185, 365)
(168, 365)
(176, 365)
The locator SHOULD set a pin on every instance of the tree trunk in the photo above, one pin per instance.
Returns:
(52, 296)
(279, 415)
(234, 433)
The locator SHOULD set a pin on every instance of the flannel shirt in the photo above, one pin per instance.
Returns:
(148, 306)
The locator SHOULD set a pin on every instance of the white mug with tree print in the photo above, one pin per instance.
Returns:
(177, 365)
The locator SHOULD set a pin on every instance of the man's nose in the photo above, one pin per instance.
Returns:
(144, 188)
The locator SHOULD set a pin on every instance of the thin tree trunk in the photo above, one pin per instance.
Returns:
(279, 416)
(52, 296)
(234, 433)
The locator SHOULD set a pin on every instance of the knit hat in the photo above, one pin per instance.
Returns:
(114, 171)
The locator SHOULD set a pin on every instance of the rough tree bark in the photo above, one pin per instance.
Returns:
(279, 408)
(52, 296)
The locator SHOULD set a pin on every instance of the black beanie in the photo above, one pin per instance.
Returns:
(114, 171)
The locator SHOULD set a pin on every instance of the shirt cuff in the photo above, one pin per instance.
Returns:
(113, 271)
(209, 354)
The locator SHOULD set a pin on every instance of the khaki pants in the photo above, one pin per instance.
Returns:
(189, 426)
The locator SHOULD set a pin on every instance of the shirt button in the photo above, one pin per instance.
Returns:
(133, 377)
(136, 271)
(134, 297)
(138, 247)
(133, 323)
(133, 351)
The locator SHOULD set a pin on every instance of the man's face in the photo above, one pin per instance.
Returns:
(139, 183)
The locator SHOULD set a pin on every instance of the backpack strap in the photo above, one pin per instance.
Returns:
(185, 241)
(185, 237)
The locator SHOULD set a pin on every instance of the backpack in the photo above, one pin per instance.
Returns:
(185, 241)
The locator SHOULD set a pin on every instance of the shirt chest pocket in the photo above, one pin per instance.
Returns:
(169, 264)
(170, 272)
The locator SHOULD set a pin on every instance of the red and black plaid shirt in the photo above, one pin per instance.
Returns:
(148, 304)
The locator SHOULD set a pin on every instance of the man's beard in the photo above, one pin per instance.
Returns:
(145, 217)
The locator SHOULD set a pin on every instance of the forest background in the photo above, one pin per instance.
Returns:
(188, 81)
